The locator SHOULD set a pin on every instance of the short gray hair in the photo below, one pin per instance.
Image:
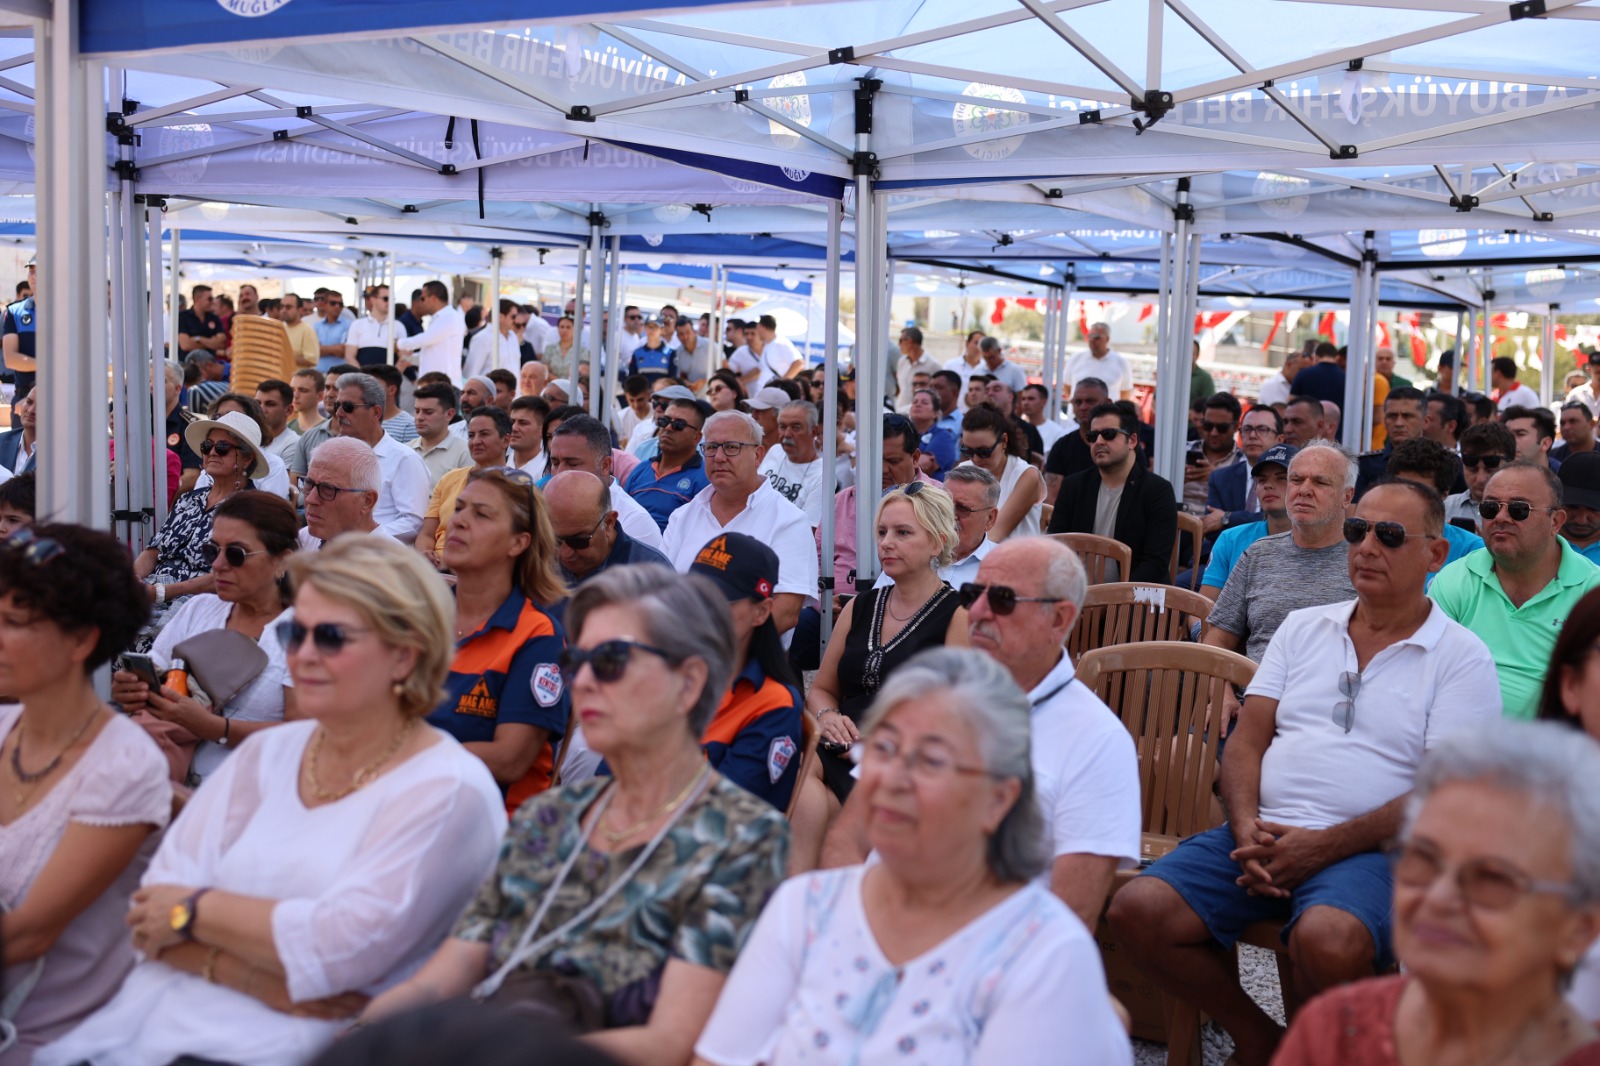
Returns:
(985, 696)
(749, 422)
(989, 344)
(1547, 762)
(805, 407)
(357, 458)
(684, 615)
(174, 371)
(1351, 467)
(1065, 577)
(373, 393)
(977, 475)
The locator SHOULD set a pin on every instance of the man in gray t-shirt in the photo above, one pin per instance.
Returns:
(1305, 567)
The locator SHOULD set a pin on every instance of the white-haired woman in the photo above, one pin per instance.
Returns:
(944, 952)
(620, 903)
(323, 860)
(1496, 900)
(883, 627)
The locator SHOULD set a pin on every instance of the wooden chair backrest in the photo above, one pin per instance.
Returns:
(1191, 527)
(1096, 552)
(1127, 612)
(260, 351)
(1165, 692)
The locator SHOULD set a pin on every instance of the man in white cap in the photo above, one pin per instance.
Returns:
(479, 391)
(563, 391)
(765, 405)
(640, 441)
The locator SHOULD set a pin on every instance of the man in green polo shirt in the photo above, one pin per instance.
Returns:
(1516, 591)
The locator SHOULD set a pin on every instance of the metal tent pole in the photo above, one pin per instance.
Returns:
(1047, 352)
(1356, 426)
(869, 445)
(493, 302)
(1172, 377)
(175, 272)
(597, 294)
(617, 293)
(1058, 384)
(1547, 357)
(580, 311)
(830, 411)
(1486, 333)
(155, 362)
(122, 521)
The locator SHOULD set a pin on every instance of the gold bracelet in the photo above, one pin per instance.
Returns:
(209, 970)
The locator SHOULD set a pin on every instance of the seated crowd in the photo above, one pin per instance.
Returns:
(504, 702)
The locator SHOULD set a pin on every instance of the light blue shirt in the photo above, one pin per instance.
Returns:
(330, 332)
(1462, 543)
(1229, 547)
(1591, 553)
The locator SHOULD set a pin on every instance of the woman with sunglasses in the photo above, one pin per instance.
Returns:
(504, 699)
(252, 537)
(620, 903)
(174, 563)
(990, 440)
(1496, 900)
(944, 952)
(327, 857)
(883, 627)
(725, 392)
(81, 788)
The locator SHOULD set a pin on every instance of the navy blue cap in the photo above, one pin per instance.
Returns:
(1281, 454)
(743, 567)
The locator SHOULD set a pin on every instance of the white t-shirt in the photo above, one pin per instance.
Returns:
(768, 517)
(1275, 389)
(959, 365)
(368, 332)
(1519, 395)
(1052, 431)
(1111, 369)
(742, 361)
(403, 497)
(1019, 984)
(799, 483)
(776, 358)
(1412, 694)
(284, 445)
(259, 701)
(365, 888)
(484, 354)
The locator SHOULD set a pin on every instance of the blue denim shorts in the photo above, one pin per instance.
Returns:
(1200, 871)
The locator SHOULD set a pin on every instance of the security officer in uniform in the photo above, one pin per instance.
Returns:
(1403, 413)
(21, 324)
(654, 358)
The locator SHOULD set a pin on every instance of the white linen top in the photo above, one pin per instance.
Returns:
(438, 347)
(1020, 985)
(367, 889)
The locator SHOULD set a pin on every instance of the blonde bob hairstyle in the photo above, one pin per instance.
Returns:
(936, 513)
(399, 595)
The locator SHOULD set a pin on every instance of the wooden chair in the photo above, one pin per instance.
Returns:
(1127, 612)
(1191, 527)
(1096, 552)
(1164, 692)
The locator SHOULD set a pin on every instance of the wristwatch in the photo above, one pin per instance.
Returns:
(184, 913)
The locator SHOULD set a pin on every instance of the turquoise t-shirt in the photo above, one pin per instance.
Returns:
(1229, 546)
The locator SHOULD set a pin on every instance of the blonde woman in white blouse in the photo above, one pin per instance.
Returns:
(326, 858)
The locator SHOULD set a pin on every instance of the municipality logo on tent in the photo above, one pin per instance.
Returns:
(250, 9)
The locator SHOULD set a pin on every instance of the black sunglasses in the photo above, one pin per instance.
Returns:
(660, 404)
(222, 448)
(1002, 598)
(678, 424)
(326, 491)
(350, 407)
(36, 550)
(580, 542)
(981, 453)
(1390, 534)
(608, 659)
(234, 553)
(329, 637)
(1106, 435)
(1488, 462)
(1217, 427)
(1519, 510)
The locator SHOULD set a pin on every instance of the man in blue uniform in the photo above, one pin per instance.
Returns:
(22, 319)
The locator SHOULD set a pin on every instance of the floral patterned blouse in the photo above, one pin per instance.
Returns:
(696, 899)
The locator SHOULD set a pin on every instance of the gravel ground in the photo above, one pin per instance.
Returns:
(1258, 970)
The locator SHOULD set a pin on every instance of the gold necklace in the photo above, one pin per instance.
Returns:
(613, 836)
(362, 777)
(25, 778)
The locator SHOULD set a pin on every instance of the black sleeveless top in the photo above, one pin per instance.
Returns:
(865, 662)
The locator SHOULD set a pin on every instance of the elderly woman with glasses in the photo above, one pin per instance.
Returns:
(504, 699)
(620, 903)
(883, 627)
(944, 952)
(252, 538)
(324, 859)
(991, 441)
(1496, 901)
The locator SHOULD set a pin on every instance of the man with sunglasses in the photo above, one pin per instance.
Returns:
(677, 474)
(662, 392)
(1315, 778)
(1119, 498)
(583, 443)
(589, 537)
(403, 498)
(1517, 591)
(739, 500)
(1070, 454)
(1214, 452)
(1485, 448)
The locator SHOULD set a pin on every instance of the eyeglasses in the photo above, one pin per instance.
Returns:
(980, 453)
(1344, 712)
(329, 637)
(581, 541)
(608, 659)
(234, 553)
(221, 448)
(1488, 462)
(1216, 427)
(1486, 884)
(1390, 534)
(729, 448)
(1002, 598)
(1257, 431)
(926, 763)
(327, 492)
(968, 512)
(350, 407)
(677, 424)
(36, 550)
(635, 318)
(1108, 435)
(1519, 510)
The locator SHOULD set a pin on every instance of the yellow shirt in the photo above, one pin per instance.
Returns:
(303, 339)
(1380, 392)
(442, 505)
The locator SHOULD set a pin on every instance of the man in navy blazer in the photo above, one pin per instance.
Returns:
(14, 442)
(1228, 499)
